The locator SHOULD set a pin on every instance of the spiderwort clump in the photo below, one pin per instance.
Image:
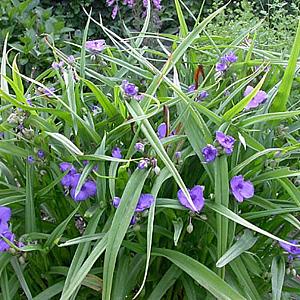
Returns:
(95, 46)
(210, 153)
(139, 147)
(290, 249)
(241, 189)
(259, 98)
(116, 152)
(196, 194)
(129, 89)
(226, 141)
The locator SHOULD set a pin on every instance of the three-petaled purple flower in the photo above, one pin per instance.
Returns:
(259, 98)
(129, 89)
(226, 141)
(225, 61)
(290, 249)
(95, 46)
(116, 152)
(71, 180)
(241, 189)
(196, 194)
(210, 153)
(5, 215)
(145, 201)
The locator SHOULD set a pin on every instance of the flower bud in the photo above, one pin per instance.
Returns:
(294, 272)
(190, 228)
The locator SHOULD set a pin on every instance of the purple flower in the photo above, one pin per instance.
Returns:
(145, 201)
(221, 67)
(41, 154)
(202, 95)
(49, 91)
(145, 3)
(191, 88)
(226, 141)
(139, 147)
(116, 201)
(178, 154)
(3, 245)
(143, 164)
(5, 215)
(1, 135)
(55, 65)
(290, 249)
(129, 3)
(71, 59)
(95, 46)
(138, 97)
(30, 159)
(162, 130)
(259, 98)
(88, 189)
(114, 12)
(29, 101)
(116, 152)
(240, 188)
(129, 89)
(196, 194)
(210, 153)
(157, 4)
(230, 57)
(64, 166)
(133, 220)
(110, 2)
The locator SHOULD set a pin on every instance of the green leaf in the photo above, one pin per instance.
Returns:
(222, 198)
(278, 272)
(58, 231)
(120, 225)
(30, 219)
(245, 242)
(66, 142)
(165, 283)
(203, 275)
(18, 271)
(281, 99)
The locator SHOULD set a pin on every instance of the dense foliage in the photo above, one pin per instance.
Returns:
(157, 166)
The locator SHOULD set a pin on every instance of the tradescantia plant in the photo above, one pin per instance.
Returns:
(129, 177)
